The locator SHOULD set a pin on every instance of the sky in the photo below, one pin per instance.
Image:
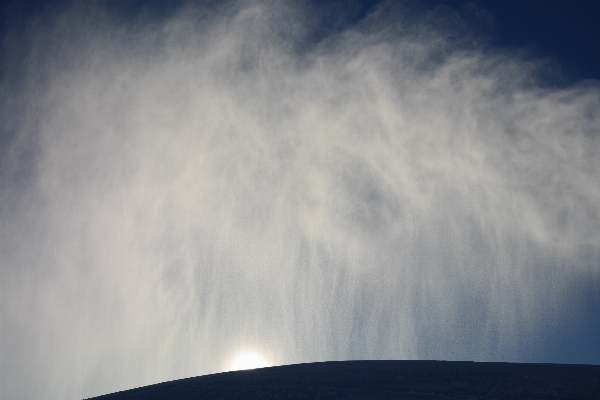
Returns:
(187, 184)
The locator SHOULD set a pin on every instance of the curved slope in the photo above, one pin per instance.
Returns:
(384, 380)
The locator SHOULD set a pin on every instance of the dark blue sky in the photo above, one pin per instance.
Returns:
(566, 33)
(565, 30)
(563, 33)
(329, 182)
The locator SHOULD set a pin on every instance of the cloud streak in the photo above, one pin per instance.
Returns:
(175, 190)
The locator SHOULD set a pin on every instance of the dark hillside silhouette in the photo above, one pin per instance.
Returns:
(384, 380)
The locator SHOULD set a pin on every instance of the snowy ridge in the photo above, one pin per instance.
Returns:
(384, 380)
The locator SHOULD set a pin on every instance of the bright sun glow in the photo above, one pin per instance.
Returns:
(248, 360)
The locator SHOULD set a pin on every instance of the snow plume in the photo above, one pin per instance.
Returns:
(235, 177)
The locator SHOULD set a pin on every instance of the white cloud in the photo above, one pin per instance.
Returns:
(176, 187)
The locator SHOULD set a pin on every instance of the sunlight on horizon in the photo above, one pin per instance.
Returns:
(248, 360)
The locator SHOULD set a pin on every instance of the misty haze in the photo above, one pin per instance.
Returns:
(231, 183)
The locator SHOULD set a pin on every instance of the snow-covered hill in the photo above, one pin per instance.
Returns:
(384, 380)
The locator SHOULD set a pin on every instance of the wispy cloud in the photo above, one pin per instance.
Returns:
(174, 189)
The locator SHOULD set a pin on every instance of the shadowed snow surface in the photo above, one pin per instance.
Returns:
(384, 380)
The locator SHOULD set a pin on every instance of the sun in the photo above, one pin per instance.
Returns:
(248, 360)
